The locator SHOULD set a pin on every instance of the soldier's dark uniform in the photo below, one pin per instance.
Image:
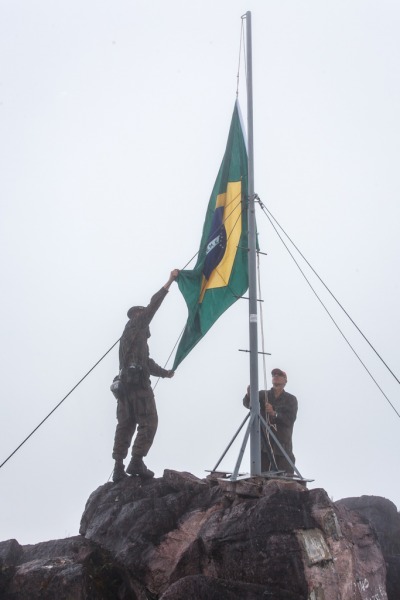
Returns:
(285, 405)
(137, 407)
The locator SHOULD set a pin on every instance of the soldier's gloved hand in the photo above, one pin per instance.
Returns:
(170, 374)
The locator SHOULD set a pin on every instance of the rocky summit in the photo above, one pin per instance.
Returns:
(182, 538)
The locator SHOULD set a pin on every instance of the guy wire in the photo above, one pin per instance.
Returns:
(95, 365)
(327, 311)
(264, 432)
(226, 283)
(264, 208)
(240, 55)
(261, 322)
(214, 232)
(59, 404)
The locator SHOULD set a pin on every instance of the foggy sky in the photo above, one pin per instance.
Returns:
(114, 119)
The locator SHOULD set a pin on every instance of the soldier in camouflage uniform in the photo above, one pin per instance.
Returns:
(132, 387)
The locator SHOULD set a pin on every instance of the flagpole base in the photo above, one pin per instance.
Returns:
(279, 475)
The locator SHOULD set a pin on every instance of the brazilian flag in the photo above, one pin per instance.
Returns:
(220, 275)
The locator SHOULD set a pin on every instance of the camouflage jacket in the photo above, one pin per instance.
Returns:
(133, 346)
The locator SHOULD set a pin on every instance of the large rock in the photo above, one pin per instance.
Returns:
(383, 515)
(210, 588)
(70, 569)
(182, 538)
(290, 542)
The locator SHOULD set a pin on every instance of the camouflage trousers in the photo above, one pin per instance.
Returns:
(137, 409)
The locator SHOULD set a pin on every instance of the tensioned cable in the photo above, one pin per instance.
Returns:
(216, 268)
(217, 228)
(226, 282)
(240, 55)
(59, 404)
(170, 354)
(263, 356)
(244, 46)
(95, 365)
(327, 311)
(334, 297)
(261, 322)
(70, 392)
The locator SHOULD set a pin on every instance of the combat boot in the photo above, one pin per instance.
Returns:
(119, 471)
(137, 467)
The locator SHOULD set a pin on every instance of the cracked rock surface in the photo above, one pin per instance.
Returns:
(178, 537)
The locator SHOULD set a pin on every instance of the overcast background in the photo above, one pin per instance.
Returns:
(114, 118)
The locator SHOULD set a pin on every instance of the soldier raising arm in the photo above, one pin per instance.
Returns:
(136, 404)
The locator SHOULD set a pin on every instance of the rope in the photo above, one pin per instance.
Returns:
(59, 404)
(98, 362)
(334, 297)
(244, 47)
(240, 54)
(326, 310)
(261, 322)
(170, 354)
(201, 248)
(216, 269)
(265, 431)
(216, 230)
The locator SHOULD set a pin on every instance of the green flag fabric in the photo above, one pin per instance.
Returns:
(220, 275)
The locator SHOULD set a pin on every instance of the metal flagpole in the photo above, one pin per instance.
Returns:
(255, 437)
(256, 421)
